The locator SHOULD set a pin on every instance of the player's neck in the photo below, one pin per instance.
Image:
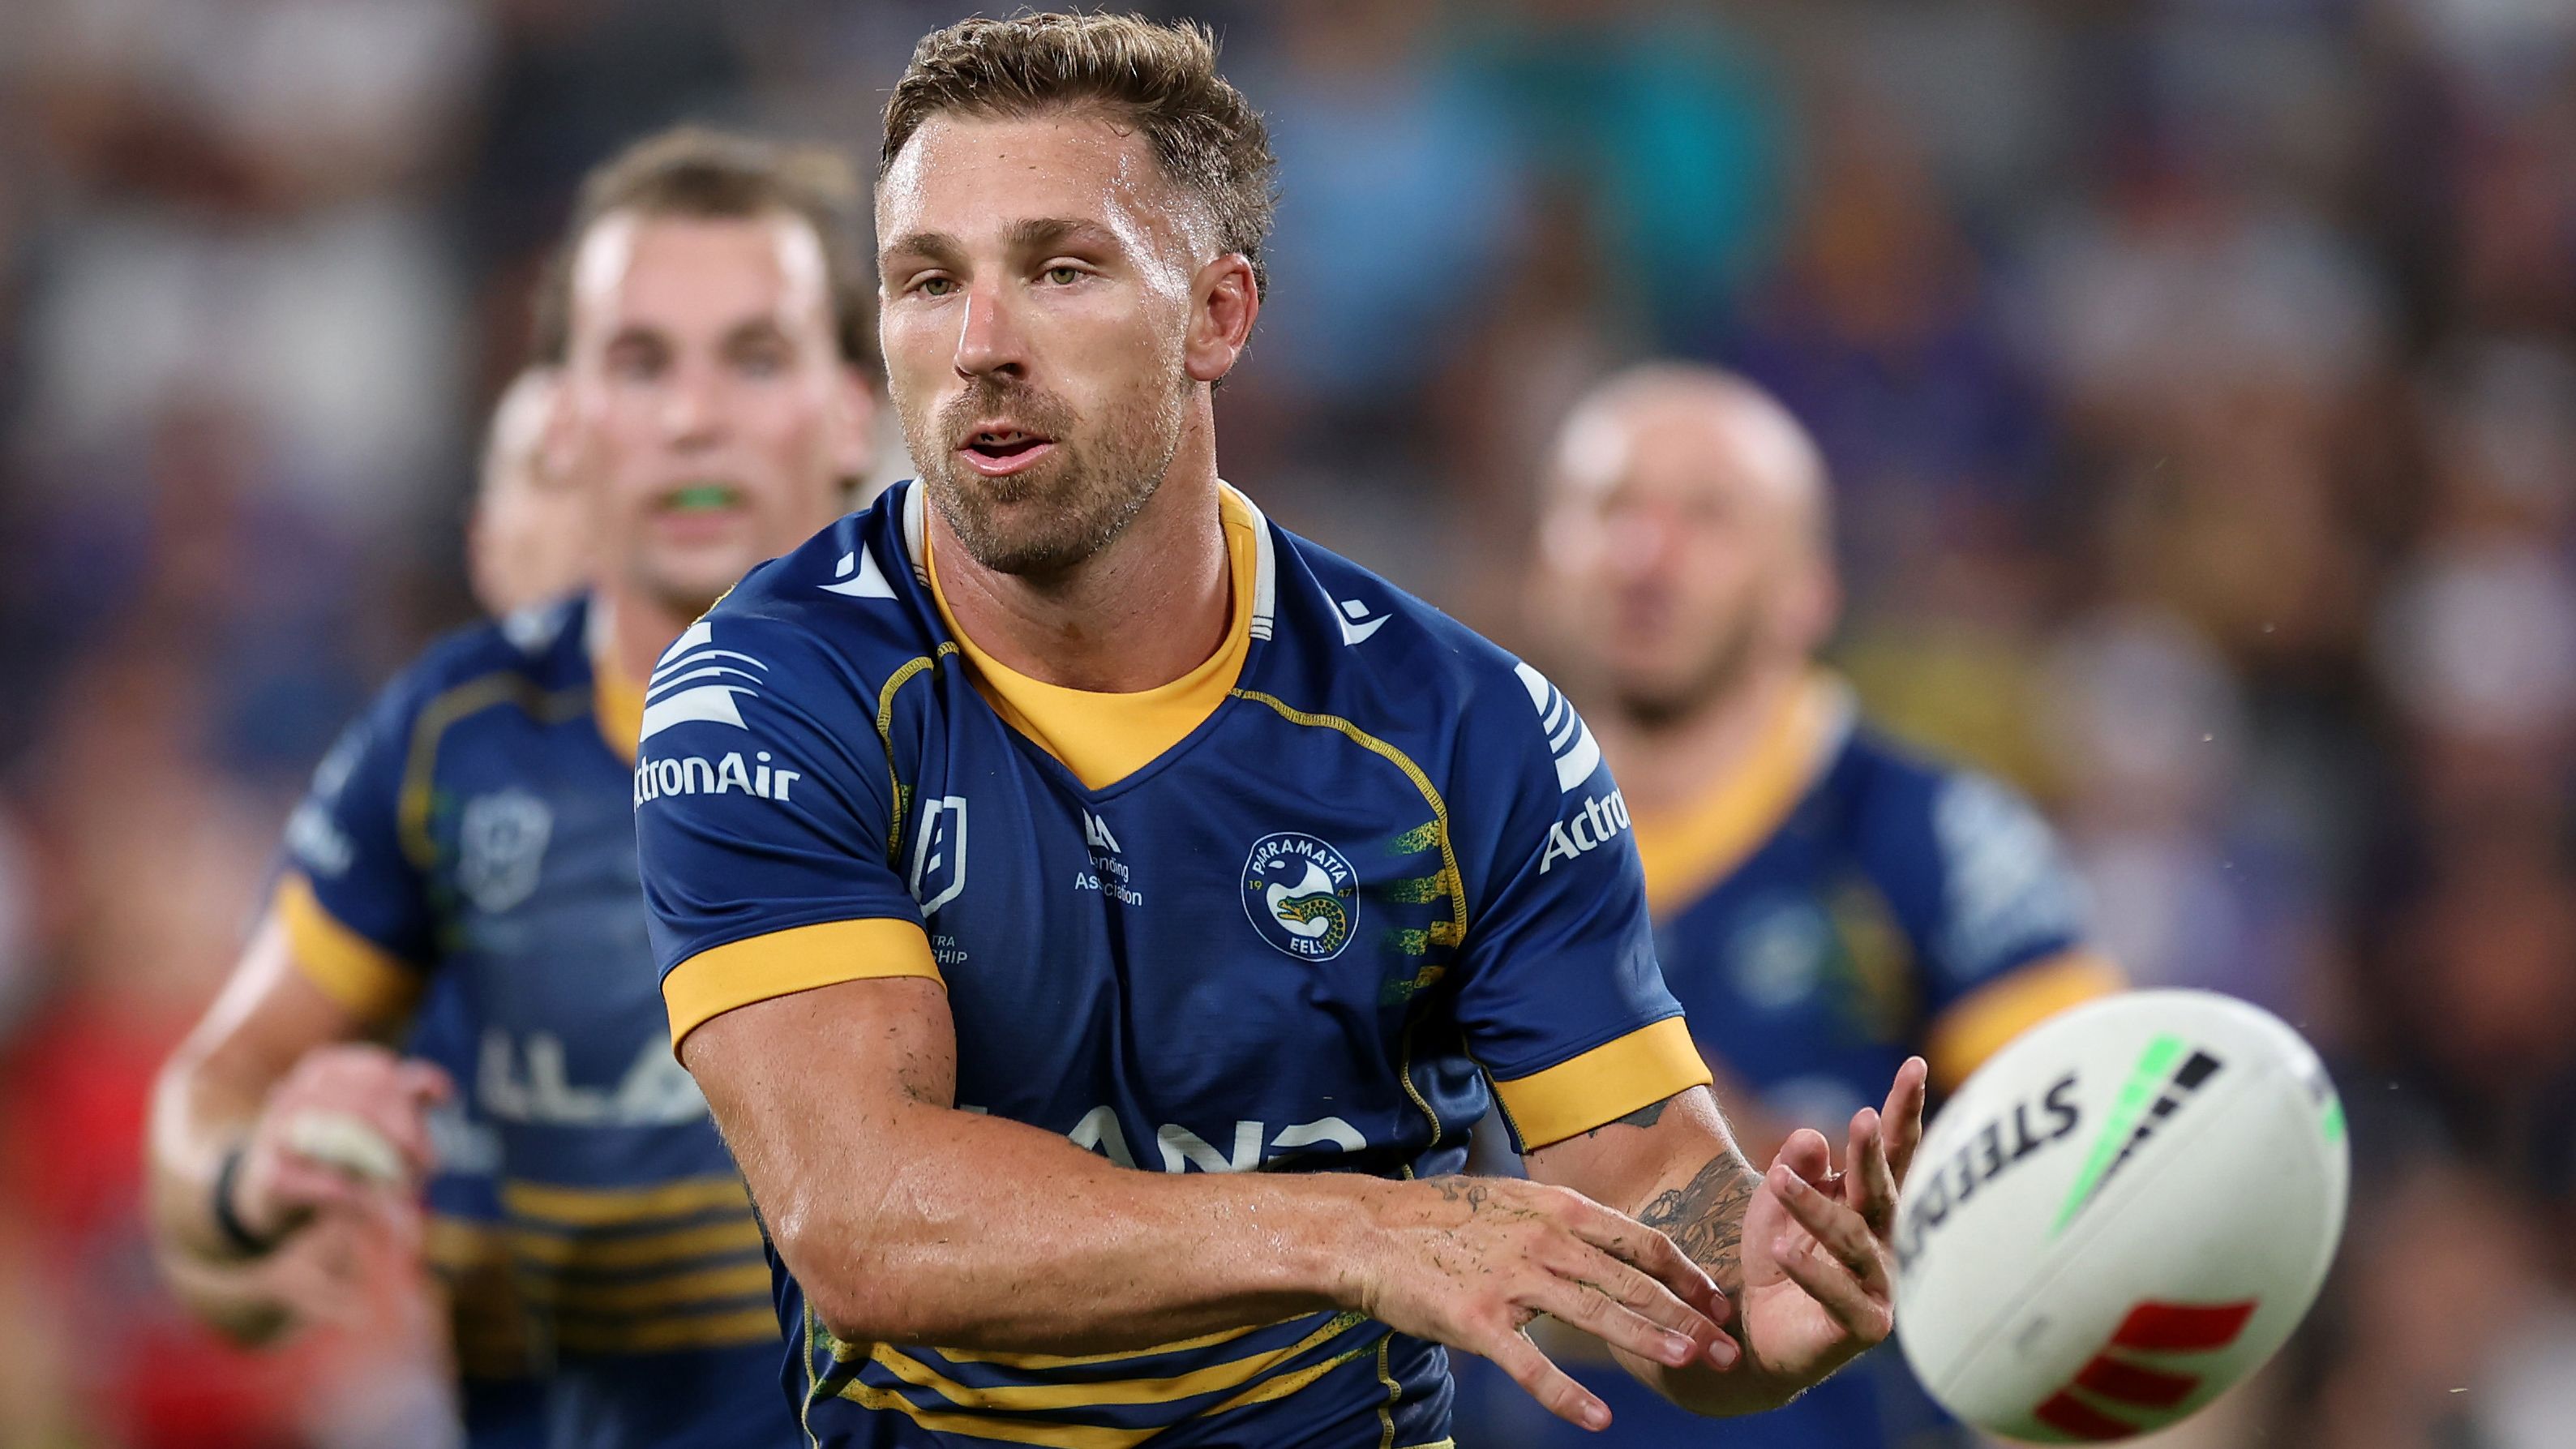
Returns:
(639, 628)
(1142, 612)
(1680, 761)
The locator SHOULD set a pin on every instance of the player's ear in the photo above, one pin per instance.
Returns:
(1223, 303)
(557, 446)
(854, 422)
(1813, 606)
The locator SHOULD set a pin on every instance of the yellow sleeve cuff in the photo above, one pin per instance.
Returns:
(375, 985)
(782, 963)
(1978, 1024)
(1604, 1084)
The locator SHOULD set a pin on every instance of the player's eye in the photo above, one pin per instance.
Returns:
(634, 362)
(1064, 276)
(935, 286)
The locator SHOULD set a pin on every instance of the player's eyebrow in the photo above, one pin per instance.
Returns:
(1052, 233)
(935, 247)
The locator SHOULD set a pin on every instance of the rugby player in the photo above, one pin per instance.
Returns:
(1826, 904)
(1058, 817)
(525, 540)
(473, 833)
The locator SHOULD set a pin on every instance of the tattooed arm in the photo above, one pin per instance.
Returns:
(1802, 1250)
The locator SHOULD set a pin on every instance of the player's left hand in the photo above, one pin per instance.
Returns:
(1819, 1268)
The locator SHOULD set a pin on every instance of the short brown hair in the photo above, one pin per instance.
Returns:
(693, 171)
(1162, 78)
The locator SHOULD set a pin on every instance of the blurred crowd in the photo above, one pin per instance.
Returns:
(2199, 378)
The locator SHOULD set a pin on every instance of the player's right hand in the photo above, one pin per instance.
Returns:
(1470, 1261)
(281, 1184)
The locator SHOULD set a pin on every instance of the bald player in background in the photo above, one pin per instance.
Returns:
(1825, 903)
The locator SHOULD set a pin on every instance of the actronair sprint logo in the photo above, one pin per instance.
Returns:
(2164, 1079)
(698, 681)
(1568, 739)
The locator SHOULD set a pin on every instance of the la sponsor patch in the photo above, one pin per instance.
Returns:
(1301, 894)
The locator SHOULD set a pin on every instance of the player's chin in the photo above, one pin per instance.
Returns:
(693, 577)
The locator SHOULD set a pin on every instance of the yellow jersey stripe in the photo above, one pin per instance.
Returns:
(1214, 1378)
(1604, 1084)
(1286, 1384)
(608, 1207)
(650, 1250)
(667, 1335)
(1688, 849)
(374, 984)
(782, 963)
(1977, 1025)
(1043, 1432)
(412, 804)
(740, 1280)
(1103, 738)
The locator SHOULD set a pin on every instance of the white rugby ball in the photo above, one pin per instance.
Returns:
(2121, 1214)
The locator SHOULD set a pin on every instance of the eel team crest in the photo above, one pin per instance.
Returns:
(1302, 895)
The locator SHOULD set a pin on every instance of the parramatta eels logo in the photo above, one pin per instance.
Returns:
(1302, 896)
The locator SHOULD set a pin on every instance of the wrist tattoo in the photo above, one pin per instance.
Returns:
(1705, 1218)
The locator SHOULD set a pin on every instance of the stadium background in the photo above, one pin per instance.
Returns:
(2200, 376)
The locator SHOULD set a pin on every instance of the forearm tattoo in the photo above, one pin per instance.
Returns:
(1705, 1218)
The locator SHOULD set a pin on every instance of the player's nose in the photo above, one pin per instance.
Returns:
(989, 338)
(692, 415)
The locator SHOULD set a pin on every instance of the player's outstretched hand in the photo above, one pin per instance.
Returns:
(1469, 1261)
(1819, 1271)
(348, 1128)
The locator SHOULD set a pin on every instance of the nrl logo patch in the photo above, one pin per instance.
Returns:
(1302, 895)
(500, 843)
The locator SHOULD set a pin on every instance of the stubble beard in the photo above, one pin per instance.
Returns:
(1052, 517)
(1653, 707)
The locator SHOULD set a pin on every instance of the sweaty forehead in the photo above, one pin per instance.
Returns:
(698, 271)
(970, 177)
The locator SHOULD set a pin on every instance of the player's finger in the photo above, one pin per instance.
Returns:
(1869, 1185)
(1586, 1307)
(1863, 1315)
(1653, 1302)
(1806, 1153)
(1901, 1122)
(1654, 1254)
(1838, 1230)
(1554, 1389)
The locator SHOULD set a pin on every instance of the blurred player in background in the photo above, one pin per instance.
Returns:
(473, 833)
(525, 545)
(526, 542)
(1825, 903)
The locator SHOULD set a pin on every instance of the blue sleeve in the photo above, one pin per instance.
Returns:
(1560, 996)
(353, 898)
(1976, 879)
(766, 817)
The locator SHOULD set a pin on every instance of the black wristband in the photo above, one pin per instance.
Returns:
(228, 1222)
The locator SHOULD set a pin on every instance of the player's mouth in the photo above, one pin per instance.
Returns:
(1001, 450)
(702, 497)
(700, 511)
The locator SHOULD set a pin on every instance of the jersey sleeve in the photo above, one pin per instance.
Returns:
(765, 820)
(1560, 997)
(352, 896)
(1993, 913)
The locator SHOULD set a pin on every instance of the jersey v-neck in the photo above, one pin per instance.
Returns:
(1102, 737)
(1685, 851)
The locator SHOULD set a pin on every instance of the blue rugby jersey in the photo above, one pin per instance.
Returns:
(1386, 868)
(1832, 908)
(466, 857)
